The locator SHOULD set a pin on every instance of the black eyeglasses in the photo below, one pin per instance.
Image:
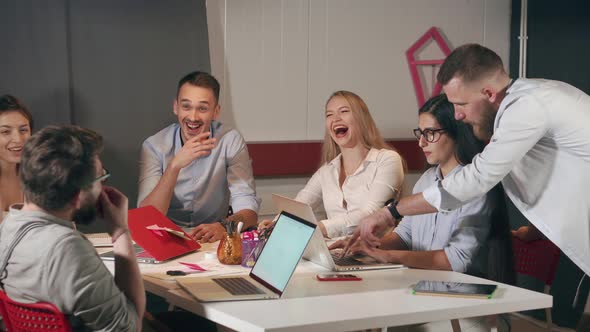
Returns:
(430, 135)
(105, 175)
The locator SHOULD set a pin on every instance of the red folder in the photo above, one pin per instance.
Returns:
(159, 244)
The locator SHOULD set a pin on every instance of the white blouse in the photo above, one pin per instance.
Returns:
(378, 179)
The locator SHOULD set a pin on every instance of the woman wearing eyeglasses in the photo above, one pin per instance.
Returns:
(464, 240)
(15, 128)
(454, 240)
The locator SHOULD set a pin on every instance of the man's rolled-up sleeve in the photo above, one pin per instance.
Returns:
(150, 171)
(240, 177)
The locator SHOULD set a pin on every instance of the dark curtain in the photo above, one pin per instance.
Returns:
(108, 65)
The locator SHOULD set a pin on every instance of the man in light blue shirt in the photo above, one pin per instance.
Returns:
(194, 170)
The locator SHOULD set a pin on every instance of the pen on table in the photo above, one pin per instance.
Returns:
(180, 273)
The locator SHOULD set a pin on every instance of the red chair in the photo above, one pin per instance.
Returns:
(538, 259)
(33, 317)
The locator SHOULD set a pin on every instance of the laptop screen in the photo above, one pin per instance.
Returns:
(282, 251)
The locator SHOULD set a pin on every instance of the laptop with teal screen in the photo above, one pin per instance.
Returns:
(317, 250)
(270, 275)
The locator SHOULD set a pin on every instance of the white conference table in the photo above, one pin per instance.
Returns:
(382, 299)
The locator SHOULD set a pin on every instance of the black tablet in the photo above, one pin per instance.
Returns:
(457, 289)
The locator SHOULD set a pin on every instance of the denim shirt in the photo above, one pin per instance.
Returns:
(460, 233)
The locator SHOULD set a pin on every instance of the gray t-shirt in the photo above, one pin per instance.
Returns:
(55, 263)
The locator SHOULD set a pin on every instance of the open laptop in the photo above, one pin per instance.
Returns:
(155, 247)
(269, 275)
(317, 251)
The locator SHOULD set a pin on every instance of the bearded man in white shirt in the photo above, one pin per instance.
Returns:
(539, 148)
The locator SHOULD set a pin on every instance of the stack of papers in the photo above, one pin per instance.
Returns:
(100, 239)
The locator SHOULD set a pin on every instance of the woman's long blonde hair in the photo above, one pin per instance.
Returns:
(370, 136)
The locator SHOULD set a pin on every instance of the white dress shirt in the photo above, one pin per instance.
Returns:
(378, 179)
(540, 151)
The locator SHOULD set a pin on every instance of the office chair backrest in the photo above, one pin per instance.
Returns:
(33, 317)
(537, 259)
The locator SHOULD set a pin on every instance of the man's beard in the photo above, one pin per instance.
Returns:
(485, 128)
(86, 213)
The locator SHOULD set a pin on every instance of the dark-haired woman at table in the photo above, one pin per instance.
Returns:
(16, 123)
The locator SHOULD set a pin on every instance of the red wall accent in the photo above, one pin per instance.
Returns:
(303, 158)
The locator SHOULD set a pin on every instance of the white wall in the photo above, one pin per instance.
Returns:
(279, 60)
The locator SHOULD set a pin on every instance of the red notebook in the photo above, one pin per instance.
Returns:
(162, 245)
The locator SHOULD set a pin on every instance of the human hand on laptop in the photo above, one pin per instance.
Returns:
(370, 229)
(195, 148)
(360, 248)
(265, 224)
(343, 243)
(208, 232)
(339, 244)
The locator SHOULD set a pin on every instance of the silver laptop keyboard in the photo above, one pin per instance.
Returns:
(238, 286)
(344, 261)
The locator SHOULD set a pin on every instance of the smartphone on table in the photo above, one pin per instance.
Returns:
(338, 277)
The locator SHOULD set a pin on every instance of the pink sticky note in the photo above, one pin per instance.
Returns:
(193, 266)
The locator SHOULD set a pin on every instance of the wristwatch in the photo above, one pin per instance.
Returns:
(391, 206)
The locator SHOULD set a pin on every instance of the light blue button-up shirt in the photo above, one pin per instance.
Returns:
(207, 186)
(460, 233)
